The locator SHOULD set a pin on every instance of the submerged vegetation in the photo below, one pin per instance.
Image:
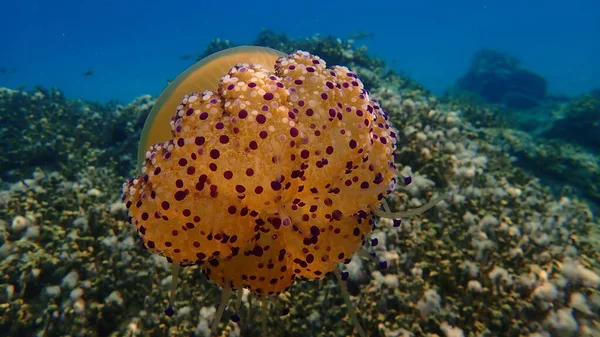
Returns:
(505, 256)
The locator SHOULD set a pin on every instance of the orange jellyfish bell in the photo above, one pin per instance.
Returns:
(263, 168)
(203, 75)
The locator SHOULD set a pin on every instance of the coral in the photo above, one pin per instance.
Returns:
(61, 276)
(73, 266)
(579, 123)
(501, 229)
(570, 168)
(215, 46)
(43, 129)
(475, 110)
(372, 70)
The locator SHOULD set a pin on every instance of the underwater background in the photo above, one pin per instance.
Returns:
(497, 102)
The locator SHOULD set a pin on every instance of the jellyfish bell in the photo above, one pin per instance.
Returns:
(203, 75)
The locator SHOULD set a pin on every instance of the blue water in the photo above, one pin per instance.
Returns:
(134, 46)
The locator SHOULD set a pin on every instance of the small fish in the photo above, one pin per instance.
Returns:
(3, 70)
(186, 57)
(89, 72)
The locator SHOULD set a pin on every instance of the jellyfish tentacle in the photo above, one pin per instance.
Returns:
(221, 308)
(349, 305)
(411, 212)
(175, 267)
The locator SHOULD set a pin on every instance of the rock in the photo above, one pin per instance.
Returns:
(499, 78)
(580, 123)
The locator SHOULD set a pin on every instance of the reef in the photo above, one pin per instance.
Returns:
(566, 168)
(372, 71)
(558, 141)
(41, 128)
(500, 78)
(505, 256)
(579, 122)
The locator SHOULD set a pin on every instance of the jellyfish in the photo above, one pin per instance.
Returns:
(263, 169)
